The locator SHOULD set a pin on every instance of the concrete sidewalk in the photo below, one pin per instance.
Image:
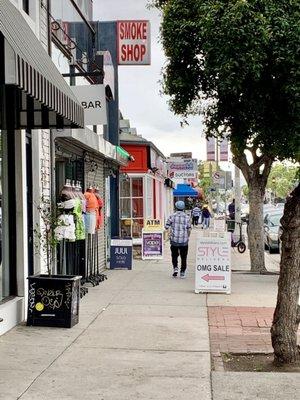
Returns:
(142, 335)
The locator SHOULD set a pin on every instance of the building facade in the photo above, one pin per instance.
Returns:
(145, 190)
(45, 142)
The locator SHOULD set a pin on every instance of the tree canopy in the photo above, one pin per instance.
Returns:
(237, 62)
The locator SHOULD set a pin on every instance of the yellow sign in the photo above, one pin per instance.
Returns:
(39, 306)
(152, 224)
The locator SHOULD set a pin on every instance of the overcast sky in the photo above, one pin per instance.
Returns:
(140, 99)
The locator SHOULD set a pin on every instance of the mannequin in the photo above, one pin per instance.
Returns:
(91, 210)
(66, 224)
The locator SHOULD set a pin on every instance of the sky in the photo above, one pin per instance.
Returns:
(140, 98)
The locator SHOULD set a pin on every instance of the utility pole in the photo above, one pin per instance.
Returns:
(217, 168)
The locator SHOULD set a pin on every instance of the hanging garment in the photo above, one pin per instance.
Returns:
(91, 201)
(90, 222)
(100, 216)
(79, 224)
(65, 228)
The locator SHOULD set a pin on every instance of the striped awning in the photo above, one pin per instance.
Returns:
(27, 65)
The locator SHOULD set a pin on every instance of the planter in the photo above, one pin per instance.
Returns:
(53, 301)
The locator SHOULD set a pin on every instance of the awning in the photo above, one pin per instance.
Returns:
(123, 156)
(25, 64)
(184, 190)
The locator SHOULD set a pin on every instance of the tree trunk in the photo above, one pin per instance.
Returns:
(256, 228)
(287, 313)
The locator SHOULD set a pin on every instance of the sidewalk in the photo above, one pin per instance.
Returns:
(144, 335)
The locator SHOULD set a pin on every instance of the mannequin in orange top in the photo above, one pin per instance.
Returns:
(91, 210)
(100, 207)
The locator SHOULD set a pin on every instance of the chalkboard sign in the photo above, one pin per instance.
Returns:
(121, 253)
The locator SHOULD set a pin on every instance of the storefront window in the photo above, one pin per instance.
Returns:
(137, 226)
(137, 208)
(132, 206)
(125, 187)
(125, 208)
(137, 187)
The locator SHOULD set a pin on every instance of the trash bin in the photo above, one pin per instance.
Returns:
(230, 225)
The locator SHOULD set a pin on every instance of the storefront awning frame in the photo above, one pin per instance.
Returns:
(25, 65)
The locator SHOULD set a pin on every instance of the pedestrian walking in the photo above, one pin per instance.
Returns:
(231, 210)
(206, 215)
(196, 212)
(180, 227)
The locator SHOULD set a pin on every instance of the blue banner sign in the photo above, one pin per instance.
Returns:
(121, 253)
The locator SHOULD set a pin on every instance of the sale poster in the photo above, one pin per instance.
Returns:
(152, 245)
(213, 262)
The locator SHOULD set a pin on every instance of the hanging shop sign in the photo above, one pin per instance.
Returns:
(224, 150)
(211, 149)
(93, 101)
(134, 42)
(185, 168)
(152, 224)
(121, 253)
(152, 245)
(213, 262)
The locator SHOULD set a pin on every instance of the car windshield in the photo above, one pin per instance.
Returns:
(274, 219)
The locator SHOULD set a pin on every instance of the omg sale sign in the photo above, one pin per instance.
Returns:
(213, 262)
(134, 42)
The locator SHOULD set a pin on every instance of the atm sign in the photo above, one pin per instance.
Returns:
(134, 42)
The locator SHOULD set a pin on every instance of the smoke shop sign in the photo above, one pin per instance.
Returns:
(93, 100)
(134, 42)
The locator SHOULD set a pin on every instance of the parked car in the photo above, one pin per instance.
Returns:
(271, 226)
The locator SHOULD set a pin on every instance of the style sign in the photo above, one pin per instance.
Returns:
(152, 245)
(213, 262)
(93, 100)
(121, 253)
(134, 42)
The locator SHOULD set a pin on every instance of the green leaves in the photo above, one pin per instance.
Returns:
(244, 56)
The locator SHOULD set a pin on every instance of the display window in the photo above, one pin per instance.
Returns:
(132, 205)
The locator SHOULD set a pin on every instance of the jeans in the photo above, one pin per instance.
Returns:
(206, 222)
(183, 252)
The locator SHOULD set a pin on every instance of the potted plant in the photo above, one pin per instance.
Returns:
(53, 300)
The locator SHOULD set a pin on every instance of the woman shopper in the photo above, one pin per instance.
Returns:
(206, 215)
(180, 227)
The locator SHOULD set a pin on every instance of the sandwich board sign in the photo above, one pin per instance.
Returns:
(152, 245)
(121, 253)
(213, 262)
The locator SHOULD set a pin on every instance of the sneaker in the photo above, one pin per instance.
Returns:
(182, 275)
(175, 273)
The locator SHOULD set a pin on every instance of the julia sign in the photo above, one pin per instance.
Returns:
(134, 42)
(213, 262)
